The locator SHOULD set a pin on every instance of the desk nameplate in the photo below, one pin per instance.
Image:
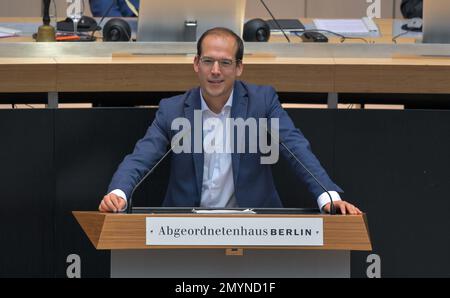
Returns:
(201, 231)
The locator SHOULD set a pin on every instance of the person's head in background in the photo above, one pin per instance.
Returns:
(119, 8)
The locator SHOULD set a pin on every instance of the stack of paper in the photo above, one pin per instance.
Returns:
(346, 26)
(8, 32)
(224, 211)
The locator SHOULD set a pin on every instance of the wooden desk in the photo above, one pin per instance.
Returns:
(385, 26)
(27, 75)
(176, 73)
(419, 75)
(299, 67)
(286, 74)
(147, 74)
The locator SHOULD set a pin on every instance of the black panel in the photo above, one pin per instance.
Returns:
(395, 164)
(90, 144)
(88, 147)
(317, 127)
(27, 190)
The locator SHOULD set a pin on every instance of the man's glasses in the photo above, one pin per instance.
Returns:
(223, 63)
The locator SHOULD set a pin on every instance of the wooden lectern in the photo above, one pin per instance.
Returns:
(133, 256)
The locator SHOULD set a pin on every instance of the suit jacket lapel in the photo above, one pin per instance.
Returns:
(238, 110)
(193, 103)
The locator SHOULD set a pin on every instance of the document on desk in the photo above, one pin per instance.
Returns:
(8, 32)
(223, 211)
(347, 26)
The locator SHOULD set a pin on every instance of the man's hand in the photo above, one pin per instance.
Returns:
(342, 207)
(112, 203)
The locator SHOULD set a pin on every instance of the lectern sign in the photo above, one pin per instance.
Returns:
(250, 231)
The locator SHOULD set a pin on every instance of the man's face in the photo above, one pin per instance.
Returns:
(215, 76)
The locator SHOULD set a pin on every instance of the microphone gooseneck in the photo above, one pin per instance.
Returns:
(275, 20)
(130, 200)
(332, 209)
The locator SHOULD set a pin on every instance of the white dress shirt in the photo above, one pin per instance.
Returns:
(217, 183)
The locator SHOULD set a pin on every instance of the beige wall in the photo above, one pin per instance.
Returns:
(345, 8)
(320, 8)
(398, 13)
(32, 8)
(280, 8)
(19, 8)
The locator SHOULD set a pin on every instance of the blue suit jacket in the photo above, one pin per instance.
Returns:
(99, 8)
(253, 182)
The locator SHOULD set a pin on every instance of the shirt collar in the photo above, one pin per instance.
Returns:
(205, 107)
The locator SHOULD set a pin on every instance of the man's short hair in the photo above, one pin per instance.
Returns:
(223, 32)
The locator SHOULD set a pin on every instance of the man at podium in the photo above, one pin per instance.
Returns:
(220, 179)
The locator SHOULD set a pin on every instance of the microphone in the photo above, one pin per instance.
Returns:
(332, 209)
(130, 200)
(275, 20)
(113, 2)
